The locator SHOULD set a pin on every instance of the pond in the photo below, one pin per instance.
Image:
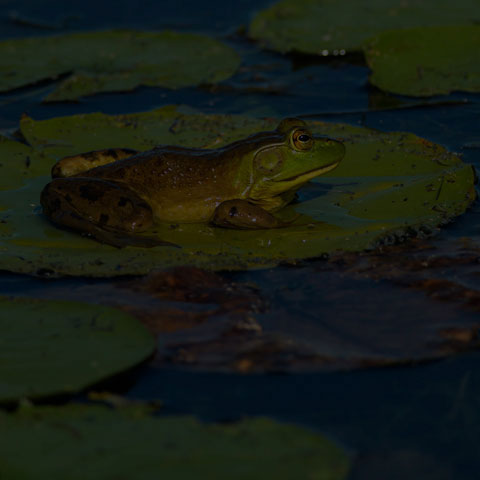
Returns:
(350, 344)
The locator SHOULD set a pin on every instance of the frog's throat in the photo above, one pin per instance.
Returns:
(271, 195)
(306, 176)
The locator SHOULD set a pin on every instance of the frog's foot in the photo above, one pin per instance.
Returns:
(244, 215)
(75, 164)
(105, 211)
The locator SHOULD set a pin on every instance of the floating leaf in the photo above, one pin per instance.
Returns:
(323, 27)
(390, 185)
(51, 348)
(115, 60)
(79, 441)
(63, 136)
(426, 61)
(17, 163)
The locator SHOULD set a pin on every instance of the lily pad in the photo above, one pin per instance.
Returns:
(51, 348)
(16, 163)
(426, 61)
(323, 27)
(117, 60)
(389, 186)
(79, 441)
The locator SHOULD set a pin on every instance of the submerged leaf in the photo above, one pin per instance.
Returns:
(426, 61)
(52, 348)
(346, 315)
(115, 60)
(188, 298)
(323, 27)
(390, 185)
(79, 441)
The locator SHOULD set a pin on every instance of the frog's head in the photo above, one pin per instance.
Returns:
(292, 157)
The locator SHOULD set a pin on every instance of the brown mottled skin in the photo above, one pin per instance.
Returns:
(192, 182)
(123, 191)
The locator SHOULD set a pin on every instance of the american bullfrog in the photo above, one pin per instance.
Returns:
(113, 194)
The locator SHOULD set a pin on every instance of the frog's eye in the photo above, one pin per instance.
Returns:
(302, 140)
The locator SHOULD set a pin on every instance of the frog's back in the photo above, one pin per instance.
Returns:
(175, 166)
(175, 181)
(153, 167)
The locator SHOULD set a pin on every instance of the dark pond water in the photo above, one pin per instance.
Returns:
(420, 421)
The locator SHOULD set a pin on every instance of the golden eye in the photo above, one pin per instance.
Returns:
(302, 139)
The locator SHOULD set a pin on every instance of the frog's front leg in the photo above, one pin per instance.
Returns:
(76, 164)
(242, 214)
(107, 211)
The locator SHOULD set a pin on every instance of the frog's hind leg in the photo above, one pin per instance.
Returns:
(76, 164)
(106, 211)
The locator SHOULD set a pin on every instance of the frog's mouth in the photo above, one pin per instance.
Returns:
(308, 175)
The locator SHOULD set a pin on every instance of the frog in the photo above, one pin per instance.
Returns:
(112, 195)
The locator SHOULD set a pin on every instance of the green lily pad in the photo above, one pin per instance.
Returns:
(168, 125)
(426, 61)
(16, 163)
(117, 60)
(78, 441)
(51, 348)
(322, 27)
(389, 185)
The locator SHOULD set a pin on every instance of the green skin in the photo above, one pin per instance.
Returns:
(112, 194)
